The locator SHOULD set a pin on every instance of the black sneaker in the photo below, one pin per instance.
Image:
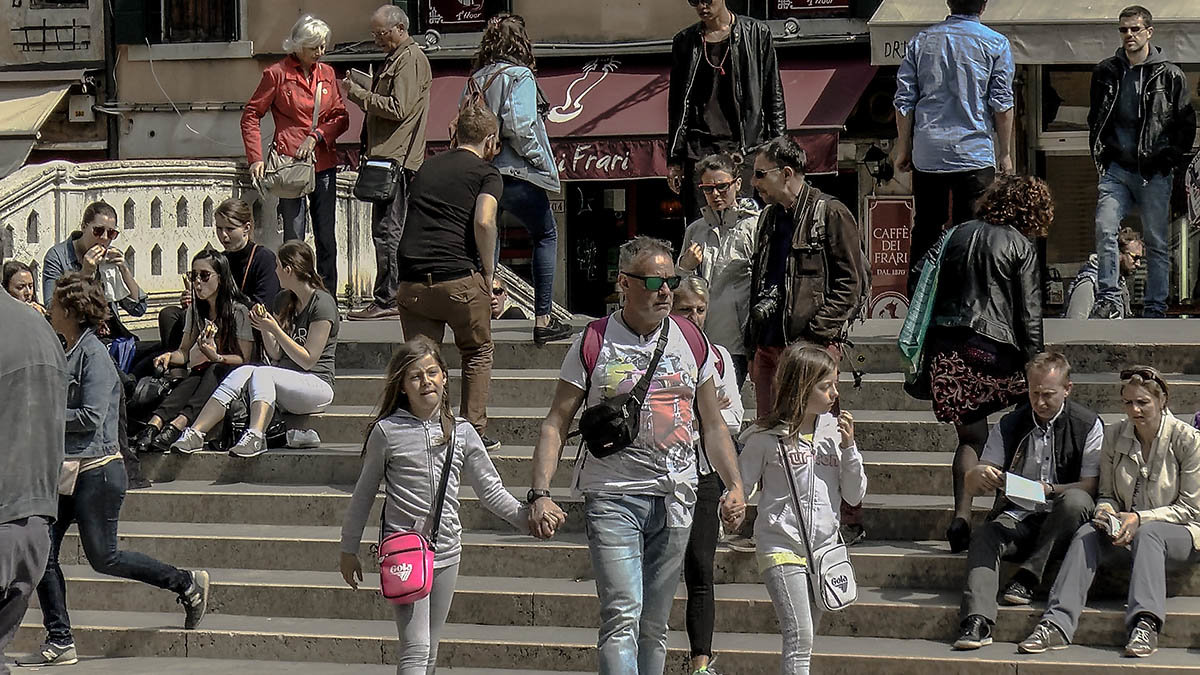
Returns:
(164, 439)
(1016, 593)
(959, 535)
(1045, 636)
(976, 633)
(195, 600)
(1107, 309)
(1143, 639)
(490, 444)
(554, 330)
(142, 442)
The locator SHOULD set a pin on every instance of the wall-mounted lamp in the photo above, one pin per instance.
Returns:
(879, 166)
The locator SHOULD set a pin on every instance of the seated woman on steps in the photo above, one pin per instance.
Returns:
(93, 481)
(808, 461)
(1147, 519)
(407, 450)
(217, 337)
(300, 338)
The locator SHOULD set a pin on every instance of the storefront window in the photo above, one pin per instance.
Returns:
(1066, 91)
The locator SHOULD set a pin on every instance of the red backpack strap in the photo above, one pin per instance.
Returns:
(696, 341)
(589, 349)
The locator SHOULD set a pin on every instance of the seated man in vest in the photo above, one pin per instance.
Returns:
(1051, 441)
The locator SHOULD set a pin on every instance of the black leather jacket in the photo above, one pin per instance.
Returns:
(989, 284)
(1168, 118)
(758, 91)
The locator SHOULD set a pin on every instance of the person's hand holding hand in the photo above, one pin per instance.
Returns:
(733, 508)
(351, 570)
(545, 517)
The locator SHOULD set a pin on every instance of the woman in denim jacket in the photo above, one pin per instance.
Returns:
(525, 160)
(93, 399)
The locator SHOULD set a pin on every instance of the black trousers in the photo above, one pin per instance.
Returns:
(387, 224)
(191, 393)
(941, 199)
(698, 565)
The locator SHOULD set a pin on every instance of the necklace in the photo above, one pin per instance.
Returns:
(719, 67)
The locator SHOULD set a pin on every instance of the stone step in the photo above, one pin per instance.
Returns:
(338, 464)
(1091, 346)
(902, 517)
(154, 665)
(535, 601)
(879, 391)
(524, 649)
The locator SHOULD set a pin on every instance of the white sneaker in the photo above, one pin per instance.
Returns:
(741, 543)
(189, 442)
(251, 445)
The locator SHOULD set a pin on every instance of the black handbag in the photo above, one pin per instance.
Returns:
(611, 425)
(237, 419)
(378, 180)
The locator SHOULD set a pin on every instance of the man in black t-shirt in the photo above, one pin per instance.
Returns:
(447, 255)
(726, 95)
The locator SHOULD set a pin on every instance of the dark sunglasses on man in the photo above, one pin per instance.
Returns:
(101, 232)
(655, 283)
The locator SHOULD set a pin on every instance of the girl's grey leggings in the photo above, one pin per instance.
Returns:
(798, 615)
(419, 625)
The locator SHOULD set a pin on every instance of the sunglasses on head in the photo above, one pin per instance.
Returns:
(202, 275)
(1144, 372)
(101, 232)
(716, 187)
(655, 283)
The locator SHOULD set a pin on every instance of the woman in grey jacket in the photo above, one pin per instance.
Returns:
(406, 450)
(94, 502)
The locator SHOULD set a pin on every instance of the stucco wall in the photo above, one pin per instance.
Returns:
(36, 34)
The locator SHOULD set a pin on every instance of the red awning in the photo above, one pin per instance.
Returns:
(608, 121)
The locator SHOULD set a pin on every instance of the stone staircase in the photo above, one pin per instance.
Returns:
(268, 530)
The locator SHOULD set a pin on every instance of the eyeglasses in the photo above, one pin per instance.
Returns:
(694, 3)
(716, 187)
(1146, 373)
(656, 283)
(101, 232)
(762, 173)
(385, 31)
(497, 291)
(1131, 30)
(202, 275)
(1137, 259)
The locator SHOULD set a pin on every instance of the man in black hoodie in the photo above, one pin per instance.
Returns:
(1142, 126)
(32, 409)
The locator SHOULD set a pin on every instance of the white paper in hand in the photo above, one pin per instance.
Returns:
(1027, 494)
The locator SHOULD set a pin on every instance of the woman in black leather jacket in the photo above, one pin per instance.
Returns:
(987, 321)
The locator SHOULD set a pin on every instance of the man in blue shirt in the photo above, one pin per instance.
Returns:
(953, 90)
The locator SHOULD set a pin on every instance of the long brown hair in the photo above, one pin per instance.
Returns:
(394, 398)
(801, 367)
(300, 258)
(505, 39)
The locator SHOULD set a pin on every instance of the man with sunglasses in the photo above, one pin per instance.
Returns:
(726, 94)
(1081, 296)
(1141, 129)
(639, 500)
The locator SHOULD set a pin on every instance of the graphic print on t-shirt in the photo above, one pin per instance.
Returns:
(667, 415)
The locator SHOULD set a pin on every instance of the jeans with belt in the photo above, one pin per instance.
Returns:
(95, 507)
(636, 559)
(465, 304)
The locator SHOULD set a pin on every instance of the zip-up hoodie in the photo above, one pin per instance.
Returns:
(838, 475)
(727, 238)
(408, 454)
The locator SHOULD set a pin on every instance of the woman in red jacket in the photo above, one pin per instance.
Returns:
(289, 89)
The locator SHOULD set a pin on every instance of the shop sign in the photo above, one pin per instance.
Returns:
(889, 223)
(786, 9)
(1192, 183)
(455, 16)
(608, 159)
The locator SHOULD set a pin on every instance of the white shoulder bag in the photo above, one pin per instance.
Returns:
(830, 574)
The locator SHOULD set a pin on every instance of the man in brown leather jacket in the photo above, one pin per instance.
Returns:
(397, 108)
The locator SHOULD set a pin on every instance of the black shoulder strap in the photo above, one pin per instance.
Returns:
(441, 493)
(638, 394)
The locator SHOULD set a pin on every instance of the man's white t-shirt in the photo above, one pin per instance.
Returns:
(662, 459)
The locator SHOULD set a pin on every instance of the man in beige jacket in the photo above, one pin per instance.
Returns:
(396, 107)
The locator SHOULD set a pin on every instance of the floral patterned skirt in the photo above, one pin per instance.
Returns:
(972, 376)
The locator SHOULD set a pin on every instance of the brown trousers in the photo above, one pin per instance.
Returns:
(427, 307)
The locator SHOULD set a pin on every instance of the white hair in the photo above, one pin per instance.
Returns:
(308, 31)
(393, 15)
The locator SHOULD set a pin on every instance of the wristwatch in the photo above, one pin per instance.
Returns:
(535, 494)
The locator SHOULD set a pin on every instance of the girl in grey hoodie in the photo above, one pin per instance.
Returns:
(826, 468)
(406, 451)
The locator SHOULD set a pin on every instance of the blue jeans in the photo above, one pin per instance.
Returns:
(95, 507)
(1123, 191)
(529, 204)
(322, 207)
(636, 559)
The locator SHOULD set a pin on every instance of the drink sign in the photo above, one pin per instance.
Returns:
(455, 16)
(786, 9)
(889, 222)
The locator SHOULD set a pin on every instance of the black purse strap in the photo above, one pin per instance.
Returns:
(638, 394)
(441, 492)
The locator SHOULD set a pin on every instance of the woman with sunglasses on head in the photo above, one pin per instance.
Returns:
(719, 247)
(1147, 516)
(94, 497)
(301, 339)
(18, 282)
(217, 338)
(505, 60)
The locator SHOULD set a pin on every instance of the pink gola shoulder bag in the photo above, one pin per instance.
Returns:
(406, 558)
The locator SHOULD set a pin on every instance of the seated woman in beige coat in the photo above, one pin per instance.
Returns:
(1148, 509)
